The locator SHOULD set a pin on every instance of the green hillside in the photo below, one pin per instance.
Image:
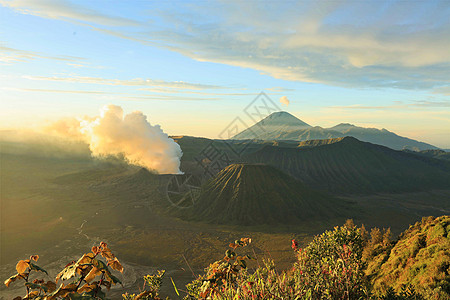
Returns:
(351, 166)
(252, 194)
(420, 258)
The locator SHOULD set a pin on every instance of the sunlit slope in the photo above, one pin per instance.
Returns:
(420, 258)
(351, 166)
(252, 194)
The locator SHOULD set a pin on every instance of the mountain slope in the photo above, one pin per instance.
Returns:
(284, 126)
(252, 194)
(350, 166)
(419, 258)
(381, 137)
(275, 124)
(439, 154)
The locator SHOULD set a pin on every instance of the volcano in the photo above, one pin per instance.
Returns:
(284, 126)
(253, 194)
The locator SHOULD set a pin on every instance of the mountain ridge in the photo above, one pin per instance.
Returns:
(285, 126)
(349, 166)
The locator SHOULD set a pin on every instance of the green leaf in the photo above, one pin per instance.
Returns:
(114, 279)
(82, 297)
(99, 264)
(37, 268)
(175, 287)
(243, 264)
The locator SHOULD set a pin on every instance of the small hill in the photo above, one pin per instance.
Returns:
(347, 166)
(420, 258)
(253, 194)
(284, 126)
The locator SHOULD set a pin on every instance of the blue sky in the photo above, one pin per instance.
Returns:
(192, 67)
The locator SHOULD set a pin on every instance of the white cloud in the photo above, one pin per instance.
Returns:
(343, 43)
(362, 44)
(284, 100)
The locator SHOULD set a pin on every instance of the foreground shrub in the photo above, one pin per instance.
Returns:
(81, 279)
(332, 266)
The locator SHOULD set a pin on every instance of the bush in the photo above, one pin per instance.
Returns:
(332, 266)
(81, 279)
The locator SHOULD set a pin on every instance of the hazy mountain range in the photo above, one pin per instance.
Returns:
(284, 126)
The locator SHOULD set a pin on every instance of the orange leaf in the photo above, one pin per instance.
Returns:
(87, 287)
(22, 266)
(13, 278)
(115, 265)
(91, 275)
(34, 257)
(86, 259)
(51, 286)
(106, 253)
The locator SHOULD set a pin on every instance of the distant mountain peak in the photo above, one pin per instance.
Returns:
(280, 121)
(282, 125)
(343, 126)
(283, 118)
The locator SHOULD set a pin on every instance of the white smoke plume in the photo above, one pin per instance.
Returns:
(130, 136)
(284, 100)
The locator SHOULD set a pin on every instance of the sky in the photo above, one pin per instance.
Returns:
(194, 67)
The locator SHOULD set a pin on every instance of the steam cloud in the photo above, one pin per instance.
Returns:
(284, 100)
(130, 136)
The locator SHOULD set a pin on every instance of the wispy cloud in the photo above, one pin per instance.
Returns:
(359, 44)
(184, 91)
(84, 65)
(280, 89)
(324, 43)
(66, 10)
(161, 90)
(10, 55)
(169, 98)
(445, 90)
(398, 105)
(63, 91)
(128, 82)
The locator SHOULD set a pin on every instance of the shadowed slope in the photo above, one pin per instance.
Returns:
(351, 166)
(252, 194)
